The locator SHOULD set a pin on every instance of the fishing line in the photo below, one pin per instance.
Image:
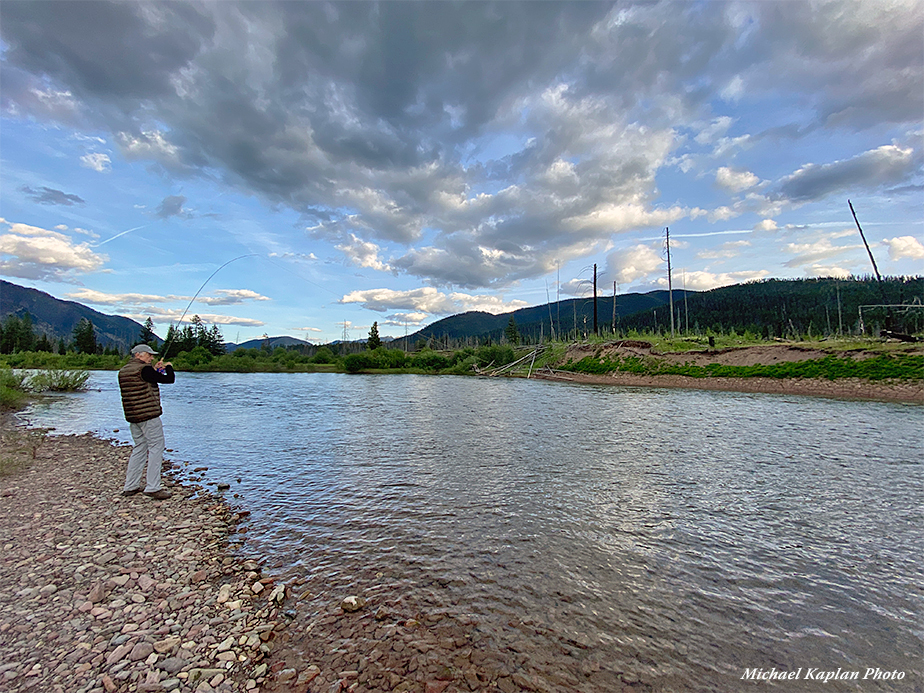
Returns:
(179, 322)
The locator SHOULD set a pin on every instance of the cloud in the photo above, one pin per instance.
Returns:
(149, 145)
(50, 196)
(471, 144)
(101, 298)
(164, 317)
(735, 181)
(902, 247)
(98, 162)
(703, 281)
(31, 252)
(886, 165)
(429, 300)
(228, 297)
(363, 254)
(402, 319)
(810, 253)
(633, 264)
(171, 206)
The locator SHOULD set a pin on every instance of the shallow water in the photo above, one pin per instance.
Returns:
(680, 537)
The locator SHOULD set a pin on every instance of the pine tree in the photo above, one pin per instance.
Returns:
(147, 335)
(511, 332)
(85, 337)
(374, 342)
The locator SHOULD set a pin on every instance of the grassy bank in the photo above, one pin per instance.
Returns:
(832, 367)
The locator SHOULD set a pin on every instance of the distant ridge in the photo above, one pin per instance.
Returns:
(273, 343)
(57, 319)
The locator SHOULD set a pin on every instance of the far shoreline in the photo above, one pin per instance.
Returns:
(906, 392)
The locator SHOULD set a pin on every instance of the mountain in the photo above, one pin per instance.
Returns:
(570, 317)
(57, 318)
(273, 343)
(797, 307)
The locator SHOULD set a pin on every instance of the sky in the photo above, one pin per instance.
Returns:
(309, 168)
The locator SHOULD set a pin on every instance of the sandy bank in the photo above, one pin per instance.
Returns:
(848, 388)
(842, 388)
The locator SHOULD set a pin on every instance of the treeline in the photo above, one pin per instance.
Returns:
(794, 309)
(18, 335)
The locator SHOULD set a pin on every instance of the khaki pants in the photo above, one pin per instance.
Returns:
(149, 450)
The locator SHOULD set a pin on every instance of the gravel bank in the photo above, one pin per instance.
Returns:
(102, 593)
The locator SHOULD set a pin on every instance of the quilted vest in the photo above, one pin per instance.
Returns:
(140, 399)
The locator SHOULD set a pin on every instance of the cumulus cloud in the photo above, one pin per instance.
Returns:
(735, 181)
(363, 254)
(31, 252)
(430, 301)
(902, 247)
(636, 263)
(703, 281)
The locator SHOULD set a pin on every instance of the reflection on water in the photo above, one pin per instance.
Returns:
(679, 536)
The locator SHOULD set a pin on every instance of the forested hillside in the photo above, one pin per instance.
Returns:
(796, 308)
(771, 308)
(56, 320)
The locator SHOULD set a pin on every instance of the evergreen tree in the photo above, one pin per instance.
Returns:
(512, 333)
(44, 344)
(147, 336)
(170, 342)
(374, 342)
(215, 341)
(85, 337)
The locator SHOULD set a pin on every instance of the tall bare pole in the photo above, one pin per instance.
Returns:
(670, 286)
(875, 269)
(614, 307)
(686, 308)
(596, 331)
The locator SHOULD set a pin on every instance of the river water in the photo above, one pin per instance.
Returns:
(677, 537)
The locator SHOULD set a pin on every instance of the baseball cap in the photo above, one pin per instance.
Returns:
(143, 349)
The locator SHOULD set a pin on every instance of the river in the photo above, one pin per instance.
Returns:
(679, 538)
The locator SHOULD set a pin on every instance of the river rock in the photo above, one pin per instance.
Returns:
(352, 603)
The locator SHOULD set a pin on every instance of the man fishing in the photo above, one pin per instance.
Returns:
(138, 383)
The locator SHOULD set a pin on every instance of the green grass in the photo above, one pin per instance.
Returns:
(833, 367)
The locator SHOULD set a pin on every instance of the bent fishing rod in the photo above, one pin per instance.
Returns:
(179, 322)
(239, 257)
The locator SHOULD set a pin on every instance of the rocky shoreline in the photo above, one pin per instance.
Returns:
(102, 593)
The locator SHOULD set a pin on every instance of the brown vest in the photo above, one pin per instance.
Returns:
(140, 399)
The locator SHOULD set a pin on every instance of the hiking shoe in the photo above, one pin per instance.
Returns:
(132, 492)
(163, 494)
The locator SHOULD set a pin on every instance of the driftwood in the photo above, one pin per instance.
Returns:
(510, 366)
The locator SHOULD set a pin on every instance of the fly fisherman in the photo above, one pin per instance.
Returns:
(138, 383)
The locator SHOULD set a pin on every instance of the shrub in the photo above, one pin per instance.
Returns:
(430, 360)
(496, 354)
(58, 380)
(354, 363)
(323, 355)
